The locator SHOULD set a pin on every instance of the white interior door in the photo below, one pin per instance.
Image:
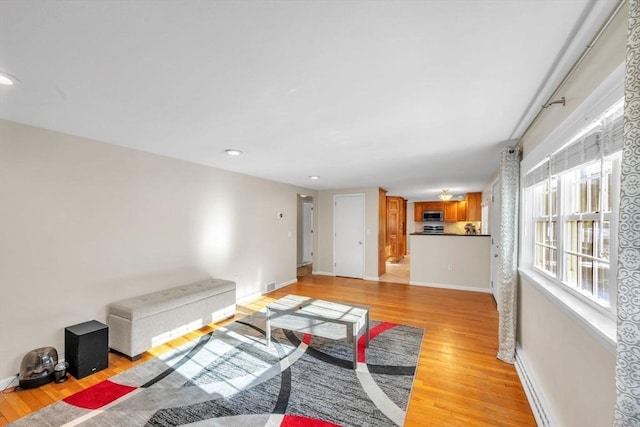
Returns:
(307, 232)
(495, 237)
(348, 218)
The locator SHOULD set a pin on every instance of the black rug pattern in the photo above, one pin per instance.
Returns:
(230, 378)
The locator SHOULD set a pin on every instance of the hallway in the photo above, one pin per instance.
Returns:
(397, 272)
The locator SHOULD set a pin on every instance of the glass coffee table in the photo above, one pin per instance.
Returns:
(321, 318)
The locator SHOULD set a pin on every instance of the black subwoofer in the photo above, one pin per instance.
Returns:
(86, 348)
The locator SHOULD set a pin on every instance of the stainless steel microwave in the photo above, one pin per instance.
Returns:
(428, 216)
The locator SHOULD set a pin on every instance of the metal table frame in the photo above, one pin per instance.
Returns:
(321, 318)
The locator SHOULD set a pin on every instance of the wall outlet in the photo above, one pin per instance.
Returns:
(450, 267)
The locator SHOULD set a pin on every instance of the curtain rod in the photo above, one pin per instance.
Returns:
(575, 66)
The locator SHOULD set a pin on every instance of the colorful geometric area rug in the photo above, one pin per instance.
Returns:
(230, 378)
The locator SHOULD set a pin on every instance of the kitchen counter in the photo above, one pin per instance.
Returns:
(444, 261)
(449, 234)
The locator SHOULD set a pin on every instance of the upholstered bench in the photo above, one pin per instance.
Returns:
(143, 322)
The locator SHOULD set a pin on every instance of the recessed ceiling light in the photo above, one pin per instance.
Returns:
(7, 79)
(314, 177)
(233, 152)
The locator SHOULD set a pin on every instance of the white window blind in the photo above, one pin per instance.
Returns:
(537, 174)
(603, 140)
(580, 152)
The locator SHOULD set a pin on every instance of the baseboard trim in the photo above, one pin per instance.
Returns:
(326, 273)
(10, 381)
(248, 298)
(323, 273)
(537, 401)
(448, 286)
(287, 283)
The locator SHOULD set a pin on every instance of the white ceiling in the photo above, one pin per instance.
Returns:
(411, 96)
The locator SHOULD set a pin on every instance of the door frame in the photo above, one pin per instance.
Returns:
(494, 215)
(307, 233)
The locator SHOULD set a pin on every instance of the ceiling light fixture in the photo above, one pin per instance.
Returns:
(233, 152)
(314, 177)
(7, 80)
(445, 195)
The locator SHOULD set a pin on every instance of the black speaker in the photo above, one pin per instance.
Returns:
(86, 348)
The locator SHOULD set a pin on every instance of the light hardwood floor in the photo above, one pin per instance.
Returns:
(397, 272)
(459, 381)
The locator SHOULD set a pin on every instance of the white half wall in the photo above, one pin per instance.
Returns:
(453, 262)
(83, 223)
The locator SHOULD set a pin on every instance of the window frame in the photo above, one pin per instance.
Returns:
(562, 217)
(594, 319)
(600, 217)
(549, 215)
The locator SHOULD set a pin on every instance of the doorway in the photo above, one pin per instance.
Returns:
(349, 242)
(305, 235)
(397, 272)
(307, 231)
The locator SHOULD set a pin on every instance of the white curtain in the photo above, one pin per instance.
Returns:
(627, 411)
(507, 266)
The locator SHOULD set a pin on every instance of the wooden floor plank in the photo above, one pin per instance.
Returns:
(459, 381)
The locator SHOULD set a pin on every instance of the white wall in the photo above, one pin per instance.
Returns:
(84, 223)
(324, 237)
(571, 369)
(454, 262)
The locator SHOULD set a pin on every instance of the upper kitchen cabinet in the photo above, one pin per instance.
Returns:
(432, 206)
(419, 207)
(469, 209)
(474, 206)
(417, 211)
(450, 211)
(462, 210)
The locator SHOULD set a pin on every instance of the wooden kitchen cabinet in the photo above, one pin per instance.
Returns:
(474, 206)
(419, 207)
(469, 209)
(462, 210)
(417, 211)
(396, 228)
(450, 211)
(432, 206)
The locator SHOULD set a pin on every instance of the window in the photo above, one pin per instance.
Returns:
(545, 211)
(572, 197)
(587, 224)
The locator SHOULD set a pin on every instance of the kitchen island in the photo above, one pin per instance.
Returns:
(454, 261)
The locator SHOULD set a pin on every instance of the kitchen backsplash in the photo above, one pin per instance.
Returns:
(452, 227)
